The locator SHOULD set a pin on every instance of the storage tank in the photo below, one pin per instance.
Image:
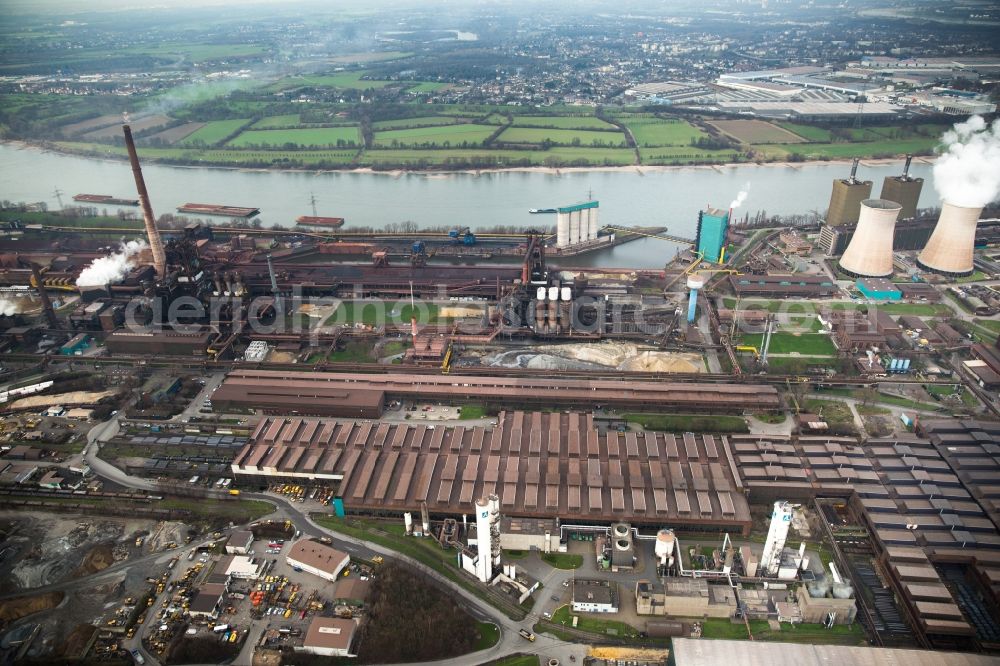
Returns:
(869, 253)
(664, 547)
(584, 225)
(562, 229)
(553, 293)
(565, 293)
(574, 227)
(540, 293)
(949, 249)
(593, 222)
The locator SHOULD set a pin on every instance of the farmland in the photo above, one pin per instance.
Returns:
(214, 132)
(650, 131)
(115, 130)
(421, 121)
(307, 138)
(563, 122)
(757, 131)
(561, 137)
(467, 134)
(175, 134)
(277, 122)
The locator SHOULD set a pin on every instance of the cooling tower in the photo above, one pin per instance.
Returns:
(949, 250)
(869, 253)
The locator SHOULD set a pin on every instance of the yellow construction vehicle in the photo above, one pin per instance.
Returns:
(446, 363)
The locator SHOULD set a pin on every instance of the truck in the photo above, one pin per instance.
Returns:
(527, 635)
(219, 628)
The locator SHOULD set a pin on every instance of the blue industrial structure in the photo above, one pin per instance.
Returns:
(713, 224)
(878, 289)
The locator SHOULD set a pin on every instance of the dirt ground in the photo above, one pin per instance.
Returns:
(15, 609)
(74, 398)
(38, 548)
(599, 355)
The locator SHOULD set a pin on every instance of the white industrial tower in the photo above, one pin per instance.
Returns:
(487, 537)
(781, 520)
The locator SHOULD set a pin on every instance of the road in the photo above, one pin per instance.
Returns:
(509, 643)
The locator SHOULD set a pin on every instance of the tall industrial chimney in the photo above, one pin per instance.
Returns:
(155, 243)
(47, 309)
(904, 190)
(869, 253)
(846, 198)
(949, 250)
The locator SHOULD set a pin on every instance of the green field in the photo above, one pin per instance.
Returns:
(278, 122)
(562, 137)
(593, 623)
(861, 149)
(563, 560)
(213, 132)
(686, 155)
(308, 138)
(814, 634)
(444, 136)
(651, 132)
(421, 121)
(807, 344)
(564, 122)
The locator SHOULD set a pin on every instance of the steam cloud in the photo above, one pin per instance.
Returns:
(7, 307)
(968, 171)
(741, 197)
(105, 270)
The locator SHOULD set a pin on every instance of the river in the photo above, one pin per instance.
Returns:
(667, 197)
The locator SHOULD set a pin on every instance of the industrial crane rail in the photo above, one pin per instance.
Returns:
(661, 236)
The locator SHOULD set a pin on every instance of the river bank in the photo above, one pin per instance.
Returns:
(444, 172)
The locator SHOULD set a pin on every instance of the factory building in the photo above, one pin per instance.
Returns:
(322, 393)
(783, 285)
(904, 190)
(697, 652)
(329, 637)
(595, 596)
(846, 198)
(167, 343)
(540, 465)
(317, 558)
(710, 240)
(878, 289)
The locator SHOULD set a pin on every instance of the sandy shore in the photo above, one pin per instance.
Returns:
(447, 173)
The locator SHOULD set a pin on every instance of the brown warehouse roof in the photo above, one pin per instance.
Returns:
(540, 464)
(305, 391)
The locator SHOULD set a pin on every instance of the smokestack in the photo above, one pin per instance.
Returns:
(906, 167)
(869, 253)
(274, 280)
(854, 170)
(50, 313)
(155, 243)
(949, 250)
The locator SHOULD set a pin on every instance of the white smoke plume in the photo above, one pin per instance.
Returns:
(968, 171)
(105, 270)
(741, 197)
(7, 307)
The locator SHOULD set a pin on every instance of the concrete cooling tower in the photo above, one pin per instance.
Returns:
(869, 253)
(949, 250)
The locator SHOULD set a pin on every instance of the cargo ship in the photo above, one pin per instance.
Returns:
(330, 222)
(537, 211)
(106, 199)
(216, 209)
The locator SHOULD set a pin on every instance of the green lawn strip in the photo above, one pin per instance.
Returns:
(213, 132)
(562, 137)
(688, 422)
(420, 121)
(469, 134)
(353, 352)
(469, 412)
(807, 344)
(563, 560)
(872, 410)
(278, 122)
(424, 551)
(593, 623)
(516, 660)
(723, 628)
(489, 635)
(564, 122)
(906, 403)
(655, 132)
(305, 137)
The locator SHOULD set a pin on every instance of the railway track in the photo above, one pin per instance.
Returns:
(479, 371)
